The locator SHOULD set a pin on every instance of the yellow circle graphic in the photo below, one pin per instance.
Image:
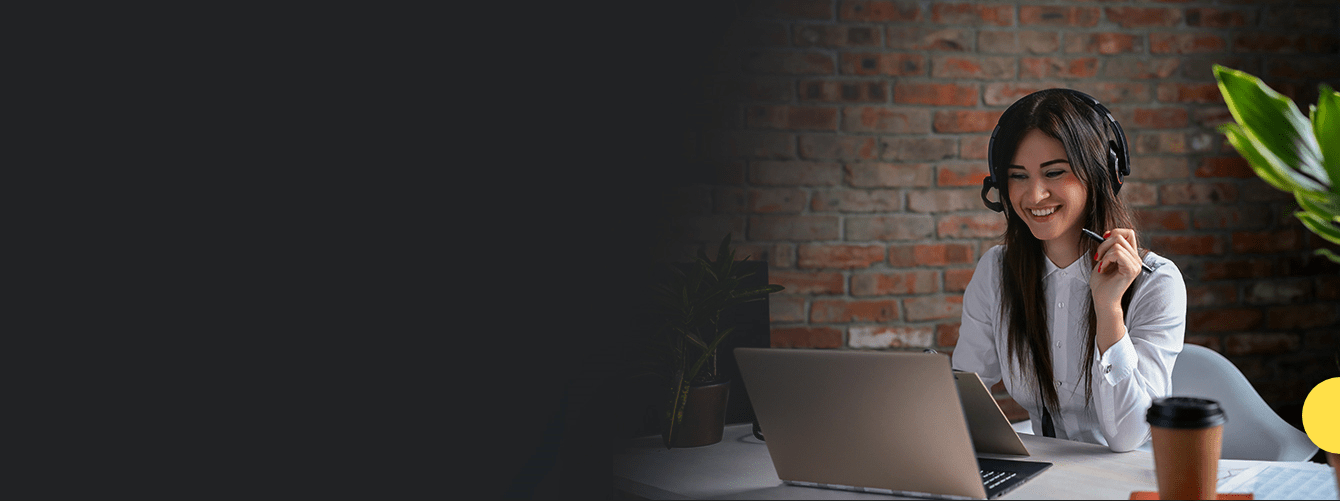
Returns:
(1321, 415)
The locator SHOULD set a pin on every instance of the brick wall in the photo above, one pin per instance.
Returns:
(845, 141)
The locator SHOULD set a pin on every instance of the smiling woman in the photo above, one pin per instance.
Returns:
(1050, 311)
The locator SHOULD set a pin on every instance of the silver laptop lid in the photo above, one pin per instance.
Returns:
(883, 420)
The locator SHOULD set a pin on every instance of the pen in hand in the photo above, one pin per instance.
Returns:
(1099, 238)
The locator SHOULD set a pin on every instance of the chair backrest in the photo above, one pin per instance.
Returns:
(1253, 431)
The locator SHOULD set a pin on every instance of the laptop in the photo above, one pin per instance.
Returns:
(879, 422)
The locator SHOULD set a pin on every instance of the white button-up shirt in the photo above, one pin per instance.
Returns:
(1126, 378)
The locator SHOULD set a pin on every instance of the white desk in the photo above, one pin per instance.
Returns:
(739, 468)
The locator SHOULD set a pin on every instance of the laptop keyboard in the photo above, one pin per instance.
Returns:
(993, 479)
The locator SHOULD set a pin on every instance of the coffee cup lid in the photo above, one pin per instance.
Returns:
(1185, 412)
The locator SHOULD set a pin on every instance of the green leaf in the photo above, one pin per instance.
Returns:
(1326, 127)
(1273, 124)
(1335, 259)
(1322, 227)
(1266, 165)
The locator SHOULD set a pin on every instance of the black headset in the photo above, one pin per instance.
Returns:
(1118, 158)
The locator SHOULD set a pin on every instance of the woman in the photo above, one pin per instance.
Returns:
(1081, 336)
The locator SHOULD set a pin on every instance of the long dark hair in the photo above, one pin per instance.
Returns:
(1066, 118)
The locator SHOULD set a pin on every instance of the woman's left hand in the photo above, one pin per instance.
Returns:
(1117, 264)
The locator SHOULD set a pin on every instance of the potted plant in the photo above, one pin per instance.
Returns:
(1294, 153)
(687, 335)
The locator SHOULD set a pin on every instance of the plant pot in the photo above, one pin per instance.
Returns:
(704, 415)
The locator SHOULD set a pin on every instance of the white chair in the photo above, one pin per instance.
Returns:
(1253, 430)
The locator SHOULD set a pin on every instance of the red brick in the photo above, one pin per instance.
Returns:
(1219, 18)
(839, 256)
(892, 120)
(973, 147)
(960, 174)
(837, 36)
(1186, 43)
(793, 228)
(1211, 295)
(1261, 344)
(838, 310)
(1172, 92)
(792, 117)
(1224, 319)
(789, 63)
(1241, 217)
(858, 201)
(836, 147)
(775, 201)
(1269, 42)
(946, 334)
(791, 9)
(1139, 194)
(1267, 242)
(1160, 118)
(880, 11)
(880, 336)
(918, 148)
(973, 14)
(1224, 167)
(1058, 16)
(1103, 43)
(1279, 291)
(778, 256)
(1159, 168)
(944, 200)
(795, 173)
(1127, 68)
(1328, 288)
(1237, 268)
(966, 121)
(1136, 17)
(924, 308)
(928, 38)
(1056, 67)
(1006, 93)
(895, 282)
(1110, 93)
(1160, 142)
(980, 225)
(843, 91)
(935, 94)
(942, 254)
(1009, 42)
(805, 337)
(956, 279)
(896, 64)
(1163, 219)
(990, 67)
(807, 282)
(887, 175)
(783, 309)
(1188, 245)
(892, 227)
(1211, 118)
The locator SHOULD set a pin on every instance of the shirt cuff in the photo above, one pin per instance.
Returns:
(1119, 362)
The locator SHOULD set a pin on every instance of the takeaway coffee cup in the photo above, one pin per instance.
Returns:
(1188, 436)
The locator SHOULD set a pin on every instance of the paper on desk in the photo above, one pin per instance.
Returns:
(1278, 479)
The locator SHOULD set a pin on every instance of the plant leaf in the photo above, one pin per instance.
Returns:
(1326, 127)
(1266, 165)
(1273, 123)
(1322, 227)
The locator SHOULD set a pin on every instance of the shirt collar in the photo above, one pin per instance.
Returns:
(1078, 270)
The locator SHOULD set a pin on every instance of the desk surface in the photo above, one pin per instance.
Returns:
(739, 468)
